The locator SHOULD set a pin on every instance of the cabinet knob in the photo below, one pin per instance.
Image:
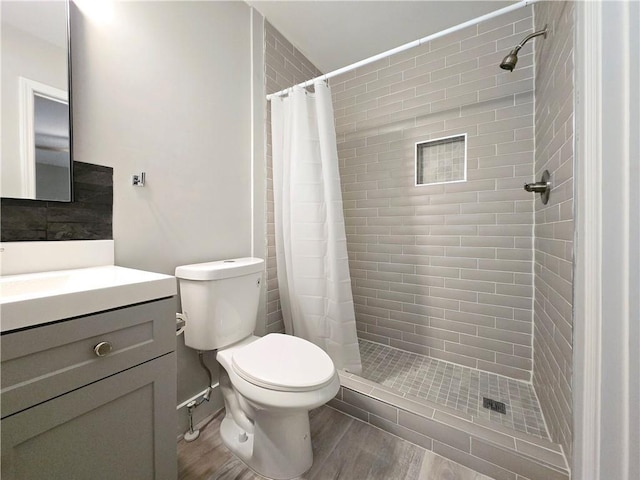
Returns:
(103, 349)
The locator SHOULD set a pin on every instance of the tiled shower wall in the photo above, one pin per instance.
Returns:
(553, 323)
(444, 270)
(285, 66)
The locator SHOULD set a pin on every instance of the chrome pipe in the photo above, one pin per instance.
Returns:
(509, 62)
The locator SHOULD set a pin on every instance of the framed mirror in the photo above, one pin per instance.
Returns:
(36, 155)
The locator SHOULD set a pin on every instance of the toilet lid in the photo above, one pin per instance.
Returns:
(285, 363)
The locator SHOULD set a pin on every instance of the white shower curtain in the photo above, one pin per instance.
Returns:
(311, 244)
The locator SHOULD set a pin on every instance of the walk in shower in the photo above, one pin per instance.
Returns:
(461, 279)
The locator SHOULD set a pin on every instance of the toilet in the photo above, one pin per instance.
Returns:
(268, 383)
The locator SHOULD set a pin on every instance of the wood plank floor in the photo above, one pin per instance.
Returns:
(343, 448)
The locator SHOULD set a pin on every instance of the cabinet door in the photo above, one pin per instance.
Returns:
(122, 427)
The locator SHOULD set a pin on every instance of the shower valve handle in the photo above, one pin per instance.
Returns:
(537, 187)
(543, 187)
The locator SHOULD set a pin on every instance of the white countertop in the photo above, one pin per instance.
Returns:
(31, 299)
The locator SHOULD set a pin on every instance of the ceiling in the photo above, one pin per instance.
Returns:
(334, 34)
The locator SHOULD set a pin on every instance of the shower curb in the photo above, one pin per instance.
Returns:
(493, 450)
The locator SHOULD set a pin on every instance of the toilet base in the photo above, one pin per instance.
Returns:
(279, 448)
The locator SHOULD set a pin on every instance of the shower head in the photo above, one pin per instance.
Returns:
(509, 62)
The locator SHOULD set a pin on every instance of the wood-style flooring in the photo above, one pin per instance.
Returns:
(343, 448)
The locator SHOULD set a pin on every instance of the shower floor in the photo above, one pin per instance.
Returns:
(455, 386)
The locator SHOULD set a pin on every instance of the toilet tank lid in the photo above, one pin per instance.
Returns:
(220, 269)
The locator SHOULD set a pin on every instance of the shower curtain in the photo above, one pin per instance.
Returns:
(311, 244)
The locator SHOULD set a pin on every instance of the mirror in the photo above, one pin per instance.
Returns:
(36, 160)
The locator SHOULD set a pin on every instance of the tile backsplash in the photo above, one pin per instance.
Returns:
(88, 217)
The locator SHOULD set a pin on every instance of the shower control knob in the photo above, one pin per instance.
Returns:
(537, 187)
(543, 187)
(103, 349)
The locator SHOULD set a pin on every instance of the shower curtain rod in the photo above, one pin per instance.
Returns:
(407, 46)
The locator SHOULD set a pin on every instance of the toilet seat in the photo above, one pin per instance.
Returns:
(283, 363)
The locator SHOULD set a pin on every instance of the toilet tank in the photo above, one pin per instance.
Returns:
(220, 301)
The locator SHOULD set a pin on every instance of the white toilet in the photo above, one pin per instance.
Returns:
(269, 383)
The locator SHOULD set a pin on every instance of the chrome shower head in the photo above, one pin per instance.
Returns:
(509, 62)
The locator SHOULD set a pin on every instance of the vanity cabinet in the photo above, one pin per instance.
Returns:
(91, 397)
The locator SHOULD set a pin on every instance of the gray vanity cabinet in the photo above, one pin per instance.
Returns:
(74, 414)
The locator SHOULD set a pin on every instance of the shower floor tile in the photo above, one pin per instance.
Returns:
(454, 386)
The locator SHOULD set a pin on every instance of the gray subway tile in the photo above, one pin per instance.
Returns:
(514, 361)
(472, 285)
(410, 347)
(551, 457)
(439, 53)
(397, 325)
(471, 352)
(474, 52)
(487, 343)
(349, 409)
(473, 462)
(409, 318)
(504, 336)
(383, 332)
(470, 318)
(453, 326)
(436, 430)
(516, 463)
(437, 333)
(505, 300)
(453, 294)
(474, 86)
(476, 430)
(422, 341)
(370, 405)
(471, 252)
(353, 384)
(511, 372)
(454, 358)
(448, 71)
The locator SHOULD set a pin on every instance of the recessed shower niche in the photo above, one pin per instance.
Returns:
(443, 160)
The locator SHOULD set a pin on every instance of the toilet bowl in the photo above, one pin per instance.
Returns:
(268, 383)
(267, 378)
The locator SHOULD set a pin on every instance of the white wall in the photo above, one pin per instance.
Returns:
(258, 119)
(23, 55)
(165, 88)
(619, 426)
(607, 312)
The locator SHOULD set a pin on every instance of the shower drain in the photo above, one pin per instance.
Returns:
(494, 405)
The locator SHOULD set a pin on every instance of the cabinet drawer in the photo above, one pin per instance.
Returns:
(48, 361)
